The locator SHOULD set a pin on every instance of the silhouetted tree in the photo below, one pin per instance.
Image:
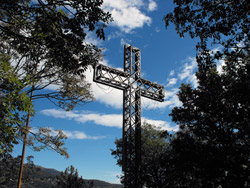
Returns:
(14, 102)
(45, 41)
(46, 45)
(9, 170)
(70, 179)
(213, 143)
(53, 31)
(212, 147)
(225, 22)
(155, 143)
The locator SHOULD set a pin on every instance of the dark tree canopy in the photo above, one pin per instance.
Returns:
(70, 179)
(227, 22)
(9, 169)
(211, 149)
(44, 44)
(155, 143)
(54, 30)
(14, 102)
(212, 146)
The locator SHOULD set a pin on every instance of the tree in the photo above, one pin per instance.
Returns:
(9, 170)
(45, 41)
(212, 147)
(70, 179)
(214, 119)
(13, 103)
(155, 143)
(54, 31)
(226, 22)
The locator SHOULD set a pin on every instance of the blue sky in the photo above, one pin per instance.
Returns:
(92, 129)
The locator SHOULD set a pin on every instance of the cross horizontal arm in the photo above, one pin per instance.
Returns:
(120, 80)
(151, 90)
(111, 77)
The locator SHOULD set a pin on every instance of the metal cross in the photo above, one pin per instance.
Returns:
(133, 87)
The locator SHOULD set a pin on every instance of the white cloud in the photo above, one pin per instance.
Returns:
(114, 97)
(127, 14)
(172, 72)
(125, 41)
(110, 120)
(188, 72)
(161, 124)
(172, 81)
(171, 100)
(59, 113)
(152, 6)
(70, 134)
(105, 94)
(107, 120)
(188, 69)
(115, 35)
(92, 39)
(80, 135)
(220, 65)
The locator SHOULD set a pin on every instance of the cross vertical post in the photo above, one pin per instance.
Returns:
(133, 87)
(131, 157)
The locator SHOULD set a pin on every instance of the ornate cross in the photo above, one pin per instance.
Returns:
(133, 87)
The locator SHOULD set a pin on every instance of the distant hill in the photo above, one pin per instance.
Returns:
(46, 172)
(46, 177)
(103, 184)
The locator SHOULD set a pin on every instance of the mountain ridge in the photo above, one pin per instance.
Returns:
(50, 174)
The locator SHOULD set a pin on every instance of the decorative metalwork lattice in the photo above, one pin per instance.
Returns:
(133, 87)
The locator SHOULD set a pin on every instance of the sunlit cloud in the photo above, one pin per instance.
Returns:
(220, 65)
(188, 72)
(171, 100)
(125, 41)
(105, 94)
(81, 135)
(107, 120)
(172, 72)
(152, 6)
(172, 81)
(161, 124)
(78, 135)
(115, 35)
(113, 97)
(127, 14)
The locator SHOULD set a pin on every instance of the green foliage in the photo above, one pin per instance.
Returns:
(9, 170)
(226, 22)
(73, 90)
(36, 176)
(155, 143)
(43, 45)
(14, 105)
(14, 102)
(54, 30)
(45, 139)
(70, 179)
(212, 147)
